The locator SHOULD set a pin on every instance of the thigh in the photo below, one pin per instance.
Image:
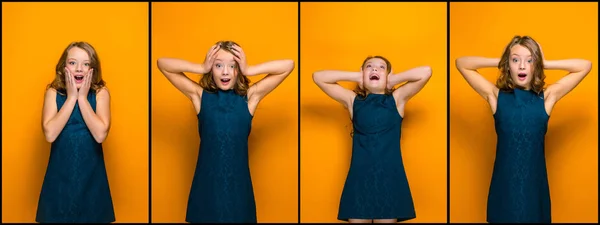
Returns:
(385, 221)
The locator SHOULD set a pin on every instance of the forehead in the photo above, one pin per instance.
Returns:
(77, 52)
(224, 55)
(376, 61)
(520, 50)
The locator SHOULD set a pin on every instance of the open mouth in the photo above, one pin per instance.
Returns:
(373, 77)
(225, 81)
(522, 76)
(78, 78)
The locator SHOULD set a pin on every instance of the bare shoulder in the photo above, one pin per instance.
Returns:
(51, 92)
(102, 93)
(50, 95)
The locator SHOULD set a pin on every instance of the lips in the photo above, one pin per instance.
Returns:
(373, 76)
(78, 78)
(522, 76)
(225, 81)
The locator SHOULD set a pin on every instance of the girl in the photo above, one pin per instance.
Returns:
(225, 104)
(521, 107)
(376, 187)
(76, 120)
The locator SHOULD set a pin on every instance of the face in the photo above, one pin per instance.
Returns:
(375, 75)
(224, 70)
(78, 63)
(521, 66)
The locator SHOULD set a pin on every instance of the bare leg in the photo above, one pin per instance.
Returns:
(359, 220)
(385, 221)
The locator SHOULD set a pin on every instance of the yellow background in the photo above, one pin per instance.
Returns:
(339, 36)
(266, 31)
(34, 36)
(564, 30)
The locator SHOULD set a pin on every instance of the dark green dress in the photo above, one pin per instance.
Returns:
(519, 191)
(376, 186)
(75, 187)
(222, 188)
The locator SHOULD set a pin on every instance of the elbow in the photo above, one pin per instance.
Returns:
(587, 65)
(316, 77)
(160, 63)
(427, 72)
(100, 137)
(459, 62)
(50, 137)
(290, 64)
(49, 134)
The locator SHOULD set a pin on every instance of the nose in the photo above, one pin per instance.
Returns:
(226, 70)
(522, 65)
(79, 68)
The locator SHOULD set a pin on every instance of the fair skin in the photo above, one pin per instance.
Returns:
(373, 77)
(222, 65)
(78, 77)
(520, 63)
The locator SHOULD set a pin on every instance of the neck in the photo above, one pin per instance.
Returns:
(527, 88)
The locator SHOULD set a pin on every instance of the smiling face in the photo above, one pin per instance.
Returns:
(521, 66)
(225, 70)
(78, 63)
(375, 71)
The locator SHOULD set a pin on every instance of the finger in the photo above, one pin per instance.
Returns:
(91, 77)
(212, 51)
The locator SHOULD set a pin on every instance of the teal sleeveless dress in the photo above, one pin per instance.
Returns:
(222, 189)
(519, 191)
(376, 186)
(75, 188)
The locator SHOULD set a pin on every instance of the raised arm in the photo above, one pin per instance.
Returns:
(468, 65)
(577, 68)
(416, 79)
(276, 71)
(327, 81)
(174, 69)
(54, 120)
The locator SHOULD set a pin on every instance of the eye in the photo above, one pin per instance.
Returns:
(368, 66)
(87, 64)
(71, 63)
(382, 67)
(218, 65)
(529, 61)
(515, 60)
(232, 66)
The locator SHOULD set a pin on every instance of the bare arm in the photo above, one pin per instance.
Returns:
(97, 122)
(327, 81)
(53, 120)
(577, 68)
(416, 79)
(174, 69)
(276, 72)
(467, 66)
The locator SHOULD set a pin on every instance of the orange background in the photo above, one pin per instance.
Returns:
(339, 36)
(564, 30)
(34, 36)
(266, 31)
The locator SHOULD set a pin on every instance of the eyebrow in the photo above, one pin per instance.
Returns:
(519, 55)
(231, 60)
(76, 59)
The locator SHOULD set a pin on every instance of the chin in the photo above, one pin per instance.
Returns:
(225, 88)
